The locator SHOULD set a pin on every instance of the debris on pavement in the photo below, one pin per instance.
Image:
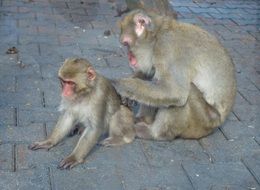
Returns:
(12, 50)
(107, 33)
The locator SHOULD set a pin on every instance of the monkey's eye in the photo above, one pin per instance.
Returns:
(63, 82)
(71, 83)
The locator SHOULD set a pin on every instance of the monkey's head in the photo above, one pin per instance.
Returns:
(137, 28)
(77, 77)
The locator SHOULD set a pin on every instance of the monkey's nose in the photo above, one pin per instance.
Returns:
(125, 43)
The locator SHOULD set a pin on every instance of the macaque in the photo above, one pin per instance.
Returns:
(192, 83)
(161, 7)
(88, 99)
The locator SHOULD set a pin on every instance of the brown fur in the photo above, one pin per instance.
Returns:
(96, 105)
(193, 87)
(161, 7)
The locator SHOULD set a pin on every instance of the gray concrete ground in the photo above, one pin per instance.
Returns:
(45, 32)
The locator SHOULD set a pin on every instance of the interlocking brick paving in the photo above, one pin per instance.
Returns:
(45, 32)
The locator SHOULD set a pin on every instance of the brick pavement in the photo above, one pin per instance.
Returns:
(45, 32)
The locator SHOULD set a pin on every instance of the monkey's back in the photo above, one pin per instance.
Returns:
(212, 69)
(110, 97)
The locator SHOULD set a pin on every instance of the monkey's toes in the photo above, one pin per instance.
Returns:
(110, 141)
(106, 142)
(142, 131)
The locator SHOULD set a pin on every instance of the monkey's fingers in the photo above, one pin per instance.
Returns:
(132, 103)
(128, 102)
(40, 145)
(65, 165)
(69, 162)
(33, 146)
(125, 101)
(68, 165)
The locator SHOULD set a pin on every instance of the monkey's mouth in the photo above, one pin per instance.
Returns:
(132, 58)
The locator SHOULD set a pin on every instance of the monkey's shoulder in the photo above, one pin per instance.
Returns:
(183, 34)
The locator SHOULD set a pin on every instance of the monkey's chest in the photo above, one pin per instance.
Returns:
(83, 113)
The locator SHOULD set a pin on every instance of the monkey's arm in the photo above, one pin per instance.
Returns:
(156, 94)
(143, 76)
(86, 142)
(62, 128)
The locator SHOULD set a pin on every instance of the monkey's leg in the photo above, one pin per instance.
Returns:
(161, 128)
(121, 129)
(86, 142)
(203, 118)
(62, 128)
(142, 131)
(194, 120)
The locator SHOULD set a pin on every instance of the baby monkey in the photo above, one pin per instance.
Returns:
(90, 100)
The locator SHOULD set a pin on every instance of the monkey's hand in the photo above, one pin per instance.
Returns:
(70, 161)
(128, 102)
(154, 93)
(46, 144)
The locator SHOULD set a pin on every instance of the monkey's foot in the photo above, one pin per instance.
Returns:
(144, 120)
(142, 131)
(115, 141)
(140, 120)
(41, 145)
(69, 162)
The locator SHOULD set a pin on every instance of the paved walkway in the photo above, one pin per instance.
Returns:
(45, 32)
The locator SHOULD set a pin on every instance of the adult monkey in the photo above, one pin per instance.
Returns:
(192, 87)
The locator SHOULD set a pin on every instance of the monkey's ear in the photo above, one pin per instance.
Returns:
(66, 60)
(91, 73)
(142, 21)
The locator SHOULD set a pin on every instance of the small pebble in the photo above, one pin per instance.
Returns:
(107, 33)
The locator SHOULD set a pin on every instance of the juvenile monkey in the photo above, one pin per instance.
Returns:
(193, 88)
(88, 99)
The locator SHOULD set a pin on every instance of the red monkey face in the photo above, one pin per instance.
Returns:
(68, 88)
(136, 29)
(77, 77)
